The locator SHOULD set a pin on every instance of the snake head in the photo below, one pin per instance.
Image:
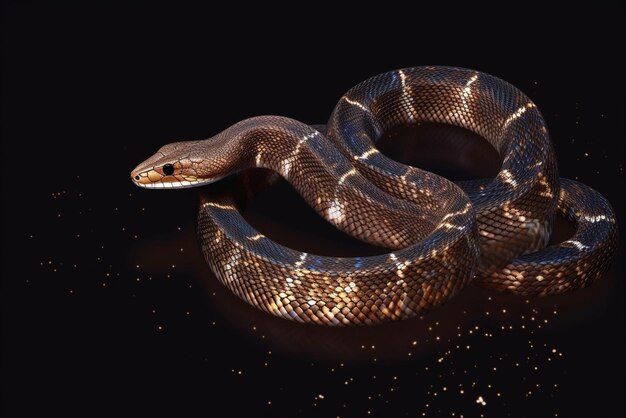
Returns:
(178, 165)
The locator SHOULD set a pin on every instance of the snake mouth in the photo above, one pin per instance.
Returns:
(156, 179)
(170, 184)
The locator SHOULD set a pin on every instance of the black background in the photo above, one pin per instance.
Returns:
(108, 309)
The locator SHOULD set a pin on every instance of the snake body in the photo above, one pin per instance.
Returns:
(440, 235)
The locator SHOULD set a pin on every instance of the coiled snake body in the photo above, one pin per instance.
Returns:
(440, 235)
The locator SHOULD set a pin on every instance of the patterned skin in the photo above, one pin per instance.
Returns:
(442, 235)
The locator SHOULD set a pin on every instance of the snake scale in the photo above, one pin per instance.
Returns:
(440, 235)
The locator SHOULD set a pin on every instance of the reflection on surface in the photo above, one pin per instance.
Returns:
(472, 314)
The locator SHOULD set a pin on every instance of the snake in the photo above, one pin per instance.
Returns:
(438, 235)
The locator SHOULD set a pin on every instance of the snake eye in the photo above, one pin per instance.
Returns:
(168, 169)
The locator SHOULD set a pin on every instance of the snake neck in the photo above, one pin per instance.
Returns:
(326, 179)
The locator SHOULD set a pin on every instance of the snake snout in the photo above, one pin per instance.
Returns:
(144, 176)
(135, 175)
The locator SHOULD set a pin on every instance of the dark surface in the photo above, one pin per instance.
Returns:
(108, 309)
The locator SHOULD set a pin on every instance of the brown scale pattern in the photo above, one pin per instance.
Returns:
(442, 236)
